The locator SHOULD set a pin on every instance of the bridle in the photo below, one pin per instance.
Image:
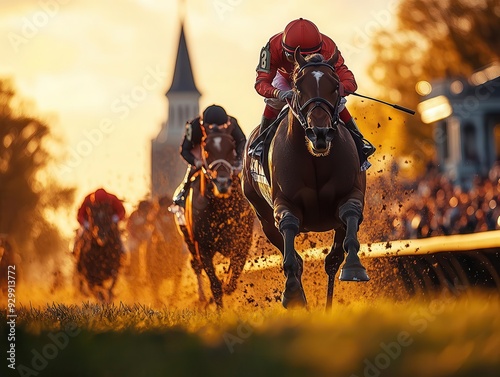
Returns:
(319, 102)
(211, 170)
(217, 165)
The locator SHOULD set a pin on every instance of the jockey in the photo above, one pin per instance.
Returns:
(100, 196)
(213, 118)
(139, 222)
(276, 65)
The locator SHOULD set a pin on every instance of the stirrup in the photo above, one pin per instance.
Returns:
(365, 165)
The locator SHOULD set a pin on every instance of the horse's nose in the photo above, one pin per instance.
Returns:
(311, 134)
(224, 184)
(330, 134)
(227, 186)
(315, 134)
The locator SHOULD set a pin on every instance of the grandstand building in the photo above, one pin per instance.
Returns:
(465, 113)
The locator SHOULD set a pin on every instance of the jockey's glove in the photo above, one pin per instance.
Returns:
(86, 224)
(198, 163)
(285, 94)
(115, 218)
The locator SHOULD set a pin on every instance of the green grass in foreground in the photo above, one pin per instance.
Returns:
(445, 336)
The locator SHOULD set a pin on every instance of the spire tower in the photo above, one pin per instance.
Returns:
(167, 166)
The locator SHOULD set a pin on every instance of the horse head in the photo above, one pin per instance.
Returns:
(219, 155)
(316, 100)
(100, 222)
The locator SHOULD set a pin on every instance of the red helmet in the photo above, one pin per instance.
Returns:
(302, 33)
(100, 195)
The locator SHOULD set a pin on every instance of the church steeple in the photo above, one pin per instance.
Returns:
(167, 166)
(183, 80)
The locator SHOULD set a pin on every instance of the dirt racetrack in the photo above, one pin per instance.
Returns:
(375, 328)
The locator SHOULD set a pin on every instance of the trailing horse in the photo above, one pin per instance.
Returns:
(218, 217)
(99, 253)
(309, 179)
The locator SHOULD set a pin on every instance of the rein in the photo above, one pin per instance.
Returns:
(214, 166)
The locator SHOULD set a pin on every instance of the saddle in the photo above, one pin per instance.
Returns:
(259, 148)
(259, 152)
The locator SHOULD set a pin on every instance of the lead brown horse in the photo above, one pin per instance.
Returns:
(218, 217)
(310, 179)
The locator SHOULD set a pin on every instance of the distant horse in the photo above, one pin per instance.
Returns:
(316, 183)
(99, 253)
(218, 217)
(166, 254)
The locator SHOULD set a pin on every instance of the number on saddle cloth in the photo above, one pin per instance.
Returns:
(259, 167)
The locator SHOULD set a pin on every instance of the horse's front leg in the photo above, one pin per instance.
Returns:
(197, 267)
(215, 283)
(236, 265)
(332, 264)
(351, 214)
(294, 295)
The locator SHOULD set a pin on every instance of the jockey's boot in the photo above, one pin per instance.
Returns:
(256, 152)
(264, 123)
(179, 198)
(367, 148)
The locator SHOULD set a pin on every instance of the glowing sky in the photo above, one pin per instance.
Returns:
(98, 70)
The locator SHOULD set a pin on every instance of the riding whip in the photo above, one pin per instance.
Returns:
(409, 111)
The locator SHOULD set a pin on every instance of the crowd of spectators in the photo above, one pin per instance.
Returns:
(434, 206)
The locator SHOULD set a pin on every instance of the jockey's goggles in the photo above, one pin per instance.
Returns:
(291, 56)
(217, 126)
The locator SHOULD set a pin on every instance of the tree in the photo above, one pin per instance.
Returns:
(25, 194)
(433, 39)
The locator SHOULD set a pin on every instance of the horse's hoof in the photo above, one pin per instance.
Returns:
(353, 274)
(298, 301)
(293, 296)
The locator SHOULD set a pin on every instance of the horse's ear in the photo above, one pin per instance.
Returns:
(299, 58)
(333, 60)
